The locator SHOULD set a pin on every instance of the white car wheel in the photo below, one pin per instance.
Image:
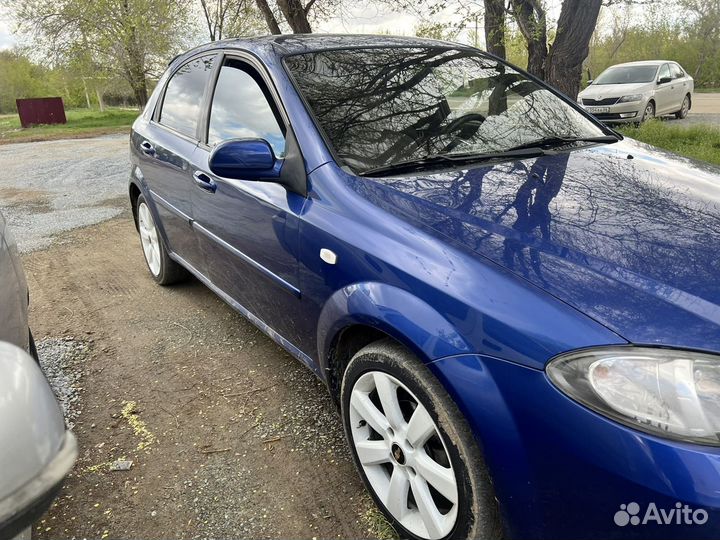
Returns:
(149, 239)
(403, 456)
(649, 112)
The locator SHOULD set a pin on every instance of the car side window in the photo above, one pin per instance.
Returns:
(242, 108)
(182, 103)
(664, 72)
(677, 72)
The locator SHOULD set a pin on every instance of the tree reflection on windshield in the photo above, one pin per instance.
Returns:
(383, 106)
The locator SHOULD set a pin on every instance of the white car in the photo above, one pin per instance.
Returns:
(36, 450)
(636, 91)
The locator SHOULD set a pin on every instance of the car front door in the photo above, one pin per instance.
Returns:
(165, 146)
(664, 93)
(248, 229)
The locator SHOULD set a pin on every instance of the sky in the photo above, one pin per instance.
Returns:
(6, 38)
(366, 17)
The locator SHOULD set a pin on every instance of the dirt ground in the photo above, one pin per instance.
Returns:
(229, 436)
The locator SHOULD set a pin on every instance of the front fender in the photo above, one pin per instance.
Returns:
(395, 311)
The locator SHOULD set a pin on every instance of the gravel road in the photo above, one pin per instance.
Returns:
(51, 187)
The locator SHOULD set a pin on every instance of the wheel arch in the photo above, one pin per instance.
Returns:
(135, 189)
(363, 313)
(134, 192)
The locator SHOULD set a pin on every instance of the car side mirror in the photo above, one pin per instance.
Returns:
(37, 452)
(245, 159)
(590, 81)
(664, 80)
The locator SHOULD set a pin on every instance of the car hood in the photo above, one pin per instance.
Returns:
(602, 91)
(626, 233)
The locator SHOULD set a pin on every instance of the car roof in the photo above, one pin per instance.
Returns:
(289, 44)
(644, 63)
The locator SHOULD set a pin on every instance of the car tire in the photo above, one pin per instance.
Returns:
(683, 112)
(162, 268)
(32, 348)
(431, 440)
(648, 112)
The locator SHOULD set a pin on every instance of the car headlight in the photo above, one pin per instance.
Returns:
(665, 392)
(631, 98)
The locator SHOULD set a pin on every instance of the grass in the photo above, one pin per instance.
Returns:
(374, 520)
(707, 90)
(698, 141)
(80, 123)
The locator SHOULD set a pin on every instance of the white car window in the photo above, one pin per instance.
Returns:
(664, 72)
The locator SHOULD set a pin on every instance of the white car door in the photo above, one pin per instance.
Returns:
(664, 99)
(681, 85)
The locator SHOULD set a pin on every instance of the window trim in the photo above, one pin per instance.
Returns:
(155, 118)
(266, 84)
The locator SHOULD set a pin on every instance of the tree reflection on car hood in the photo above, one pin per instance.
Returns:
(626, 233)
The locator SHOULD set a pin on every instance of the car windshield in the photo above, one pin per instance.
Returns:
(384, 106)
(627, 75)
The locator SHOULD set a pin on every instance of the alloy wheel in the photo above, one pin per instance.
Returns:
(649, 112)
(403, 455)
(149, 238)
(685, 107)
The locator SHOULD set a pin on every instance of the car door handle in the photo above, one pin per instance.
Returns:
(203, 181)
(147, 148)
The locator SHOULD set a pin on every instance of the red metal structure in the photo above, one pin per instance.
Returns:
(35, 111)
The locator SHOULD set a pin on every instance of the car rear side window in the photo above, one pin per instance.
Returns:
(182, 103)
(242, 108)
(677, 72)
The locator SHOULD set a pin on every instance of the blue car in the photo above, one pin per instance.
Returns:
(516, 310)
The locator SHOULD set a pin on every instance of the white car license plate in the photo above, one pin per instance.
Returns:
(598, 109)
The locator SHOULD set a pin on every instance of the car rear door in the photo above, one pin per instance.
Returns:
(248, 230)
(165, 146)
(681, 85)
(664, 98)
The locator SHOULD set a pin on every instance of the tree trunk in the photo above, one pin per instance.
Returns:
(87, 94)
(495, 27)
(101, 102)
(269, 16)
(563, 66)
(208, 19)
(136, 72)
(295, 15)
(530, 17)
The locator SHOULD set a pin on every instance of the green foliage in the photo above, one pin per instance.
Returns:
(698, 142)
(20, 78)
(516, 49)
(441, 31)
(131, 39)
